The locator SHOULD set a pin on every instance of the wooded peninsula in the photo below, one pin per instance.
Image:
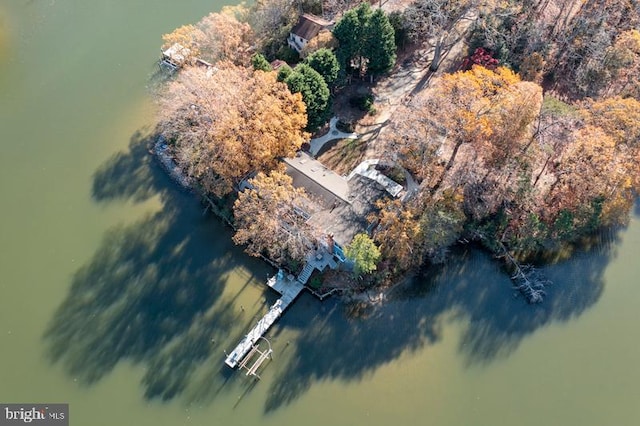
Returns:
(513, 124)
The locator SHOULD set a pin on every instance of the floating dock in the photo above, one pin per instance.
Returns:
(289, 287)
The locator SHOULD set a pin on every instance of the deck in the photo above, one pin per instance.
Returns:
(289, 288)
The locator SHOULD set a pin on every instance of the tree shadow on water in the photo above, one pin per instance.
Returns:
(351, 342)
(133, 174)
(148, 295)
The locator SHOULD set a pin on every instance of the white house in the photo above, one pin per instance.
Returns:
(308, 27)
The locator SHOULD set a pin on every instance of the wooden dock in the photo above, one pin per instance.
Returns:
(289, 288)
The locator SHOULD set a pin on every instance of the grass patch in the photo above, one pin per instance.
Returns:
(554, 106)
(344, 155)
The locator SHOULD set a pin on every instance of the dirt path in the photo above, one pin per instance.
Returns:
(410, 76)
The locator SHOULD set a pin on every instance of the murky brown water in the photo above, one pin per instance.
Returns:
(119, 297)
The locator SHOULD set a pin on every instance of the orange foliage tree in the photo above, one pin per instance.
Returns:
(226, 38)
(229, 122)
(269, 221)
(188, 36)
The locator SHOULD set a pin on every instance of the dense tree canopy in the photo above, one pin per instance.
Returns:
(269, 221)
(325, 62)
(229, 122)
(489, 110)
(366, 41)
(217, 37)
(495, 165)
(315, 93)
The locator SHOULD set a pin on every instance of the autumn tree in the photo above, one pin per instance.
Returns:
(623, 62)
(324, 40)
(364, 253)
(488, 110)
(315, 93)
(618, 117)
(269, 219)
(229, 122)
(188, 36)
(226, 38)
(415, 140)
(575, 201)
(399, 234)
(216, 37)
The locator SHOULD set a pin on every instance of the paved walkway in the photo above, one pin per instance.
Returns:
(333, 133)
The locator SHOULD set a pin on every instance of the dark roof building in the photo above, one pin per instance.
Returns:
(308, 27)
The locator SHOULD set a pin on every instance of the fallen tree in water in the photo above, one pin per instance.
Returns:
(526, 278)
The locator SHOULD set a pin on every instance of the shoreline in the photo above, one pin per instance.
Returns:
(160, 151)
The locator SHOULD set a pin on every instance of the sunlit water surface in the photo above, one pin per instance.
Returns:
(118, 296)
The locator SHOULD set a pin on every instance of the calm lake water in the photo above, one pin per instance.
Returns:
(118, 296)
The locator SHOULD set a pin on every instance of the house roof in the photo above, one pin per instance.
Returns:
(309, 26)
(275, 65)
(342, 206)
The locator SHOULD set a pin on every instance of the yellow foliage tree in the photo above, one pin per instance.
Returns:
(226, 38)
(591, 170)
(188, 36)
(268, 218)
(488, 110)
(623, 61)
(618, 117)
(399, 234)
(229, 122)
(324, 39)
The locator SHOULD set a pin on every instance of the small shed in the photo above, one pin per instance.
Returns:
(275, 65)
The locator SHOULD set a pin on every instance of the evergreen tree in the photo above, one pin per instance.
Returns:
(260, 63)
(367, 41)
(315, 93)
(325, 62)
(283, 72)
(380, 44)
(350, 33)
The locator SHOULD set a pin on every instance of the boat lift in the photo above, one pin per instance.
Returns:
(262, 357)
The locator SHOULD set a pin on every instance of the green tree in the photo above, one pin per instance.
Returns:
(315, 93)
(380, 44)
(350, 33)
(367, 41)
(260, 63)
(325, 62)
(283, 72)
(365, 254)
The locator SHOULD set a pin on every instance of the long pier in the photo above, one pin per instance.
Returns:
(289, 287)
